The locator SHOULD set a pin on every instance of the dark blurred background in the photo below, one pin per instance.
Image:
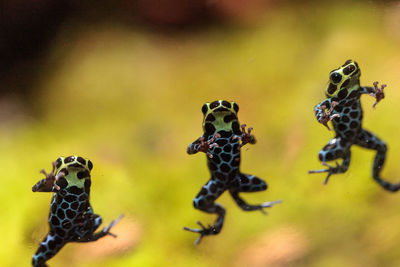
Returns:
(29, 27)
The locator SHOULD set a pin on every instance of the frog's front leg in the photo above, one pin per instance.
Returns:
(87, 233)
(201, 145)
(336, 148)
(324, 116)
(249, 183)
(374, 92)
(205, 201)
(49, 183)
(379, 94)
(50, 245)
(246, 137)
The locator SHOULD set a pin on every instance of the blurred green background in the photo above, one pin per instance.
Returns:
(123, 84)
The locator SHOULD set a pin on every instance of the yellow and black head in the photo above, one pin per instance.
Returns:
(220, 115)
(76, 170)
(344, 80)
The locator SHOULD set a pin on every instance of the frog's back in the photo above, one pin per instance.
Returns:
(221, 122)
(349, 124)
(70, 204)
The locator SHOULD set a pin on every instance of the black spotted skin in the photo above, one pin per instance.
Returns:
(71, 217)
(343, 100)
(223, 134)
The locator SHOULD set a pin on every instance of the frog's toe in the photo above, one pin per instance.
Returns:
(112, 223)
(318, 171)
(204, 231)
(268, 204)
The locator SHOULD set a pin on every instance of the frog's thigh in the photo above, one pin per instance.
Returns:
(336, 148)
(248, 183)
(208, 194)
(50, 245)
(371, 141)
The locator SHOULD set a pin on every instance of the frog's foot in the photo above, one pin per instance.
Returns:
(249, 207)
(205, 146)
(325, 118)
(46, 184)
(107, 229)
(246, 136)
(326, 115)
(379, 94)
(52, 179)
(204, 231)
(50, 176)
(57, 177)
(331, 170)
(86, 223)
(84, 237)
(268, 205)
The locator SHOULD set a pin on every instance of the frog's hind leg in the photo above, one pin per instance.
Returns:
(336, 148)
(205, 201)
(249, 183)
(370, 141)
(50, 245)
(87, 233)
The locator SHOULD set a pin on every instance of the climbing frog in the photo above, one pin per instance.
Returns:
(221, 141)
(71, 217)
(343, 107)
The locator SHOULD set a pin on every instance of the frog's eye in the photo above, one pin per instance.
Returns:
(235, 107)
(81, 160)
(214, 104)
(336, 77)
(69, 159)
(349, 69)
(90, 165)
(58, 163)
(204, 109)
(347, 62)
(226, 104)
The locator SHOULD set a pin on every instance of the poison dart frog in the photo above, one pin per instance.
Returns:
(222, 141)
(343, 107)
(71, 217)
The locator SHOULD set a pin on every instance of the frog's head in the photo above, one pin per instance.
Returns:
(344, 80)
(220, 115)
(76, 170)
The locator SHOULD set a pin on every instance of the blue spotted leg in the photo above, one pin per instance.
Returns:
(370, 141)
(205, 201)
(249, 183)
(336, 148)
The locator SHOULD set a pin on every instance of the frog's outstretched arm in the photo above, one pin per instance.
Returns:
(320, 108)
(194, 147)
(374, 92)
(48, 184)
(246, 137)
(324, 116)
(202, 145)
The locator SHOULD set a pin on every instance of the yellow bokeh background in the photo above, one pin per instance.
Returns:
(130, 101)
